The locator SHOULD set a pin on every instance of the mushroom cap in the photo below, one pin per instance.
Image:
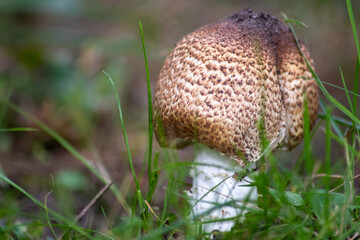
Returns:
(236, 85)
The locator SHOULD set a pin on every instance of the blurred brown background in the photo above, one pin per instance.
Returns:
(52, 54)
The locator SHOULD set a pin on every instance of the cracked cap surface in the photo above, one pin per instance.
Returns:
(236, 85)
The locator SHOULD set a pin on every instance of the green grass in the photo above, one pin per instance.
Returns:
(316, 199)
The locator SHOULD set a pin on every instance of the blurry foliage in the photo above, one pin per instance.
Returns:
(71, 180)
(54, 66)
(67, 183)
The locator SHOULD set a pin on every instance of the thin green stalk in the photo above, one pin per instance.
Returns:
(356, 40)
(18, 129)
(356, 85)
(351, 168)
(328, 134)
(350, 159)
(334, 120)
(150, 119)
(307, 139)
(346, 90)
(339, 120)
(155, 177)
(46, 209)
(353, 27)
(348, 188)
(354, 94)
(138, 191)
(170, 186)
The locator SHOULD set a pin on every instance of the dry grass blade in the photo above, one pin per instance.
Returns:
(325, 175)
(152, 211)
(90, 204)
(334, 189)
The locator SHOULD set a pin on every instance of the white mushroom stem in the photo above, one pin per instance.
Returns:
(211, 168)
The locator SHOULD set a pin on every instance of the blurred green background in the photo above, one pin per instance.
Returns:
(53, 52)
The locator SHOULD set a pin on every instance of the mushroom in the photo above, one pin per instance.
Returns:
(237, 87)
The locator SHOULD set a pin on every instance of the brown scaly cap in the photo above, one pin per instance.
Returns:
(231, 84)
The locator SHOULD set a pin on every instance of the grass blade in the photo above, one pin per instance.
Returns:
(294, 21)
(46, 209)
(155, 177)
(345, 89)
(19, 129)
(356, 95)
(353, 27)
(356, 84)
(357, 69)
(150, 119)
(139, 194)
(307, 139)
